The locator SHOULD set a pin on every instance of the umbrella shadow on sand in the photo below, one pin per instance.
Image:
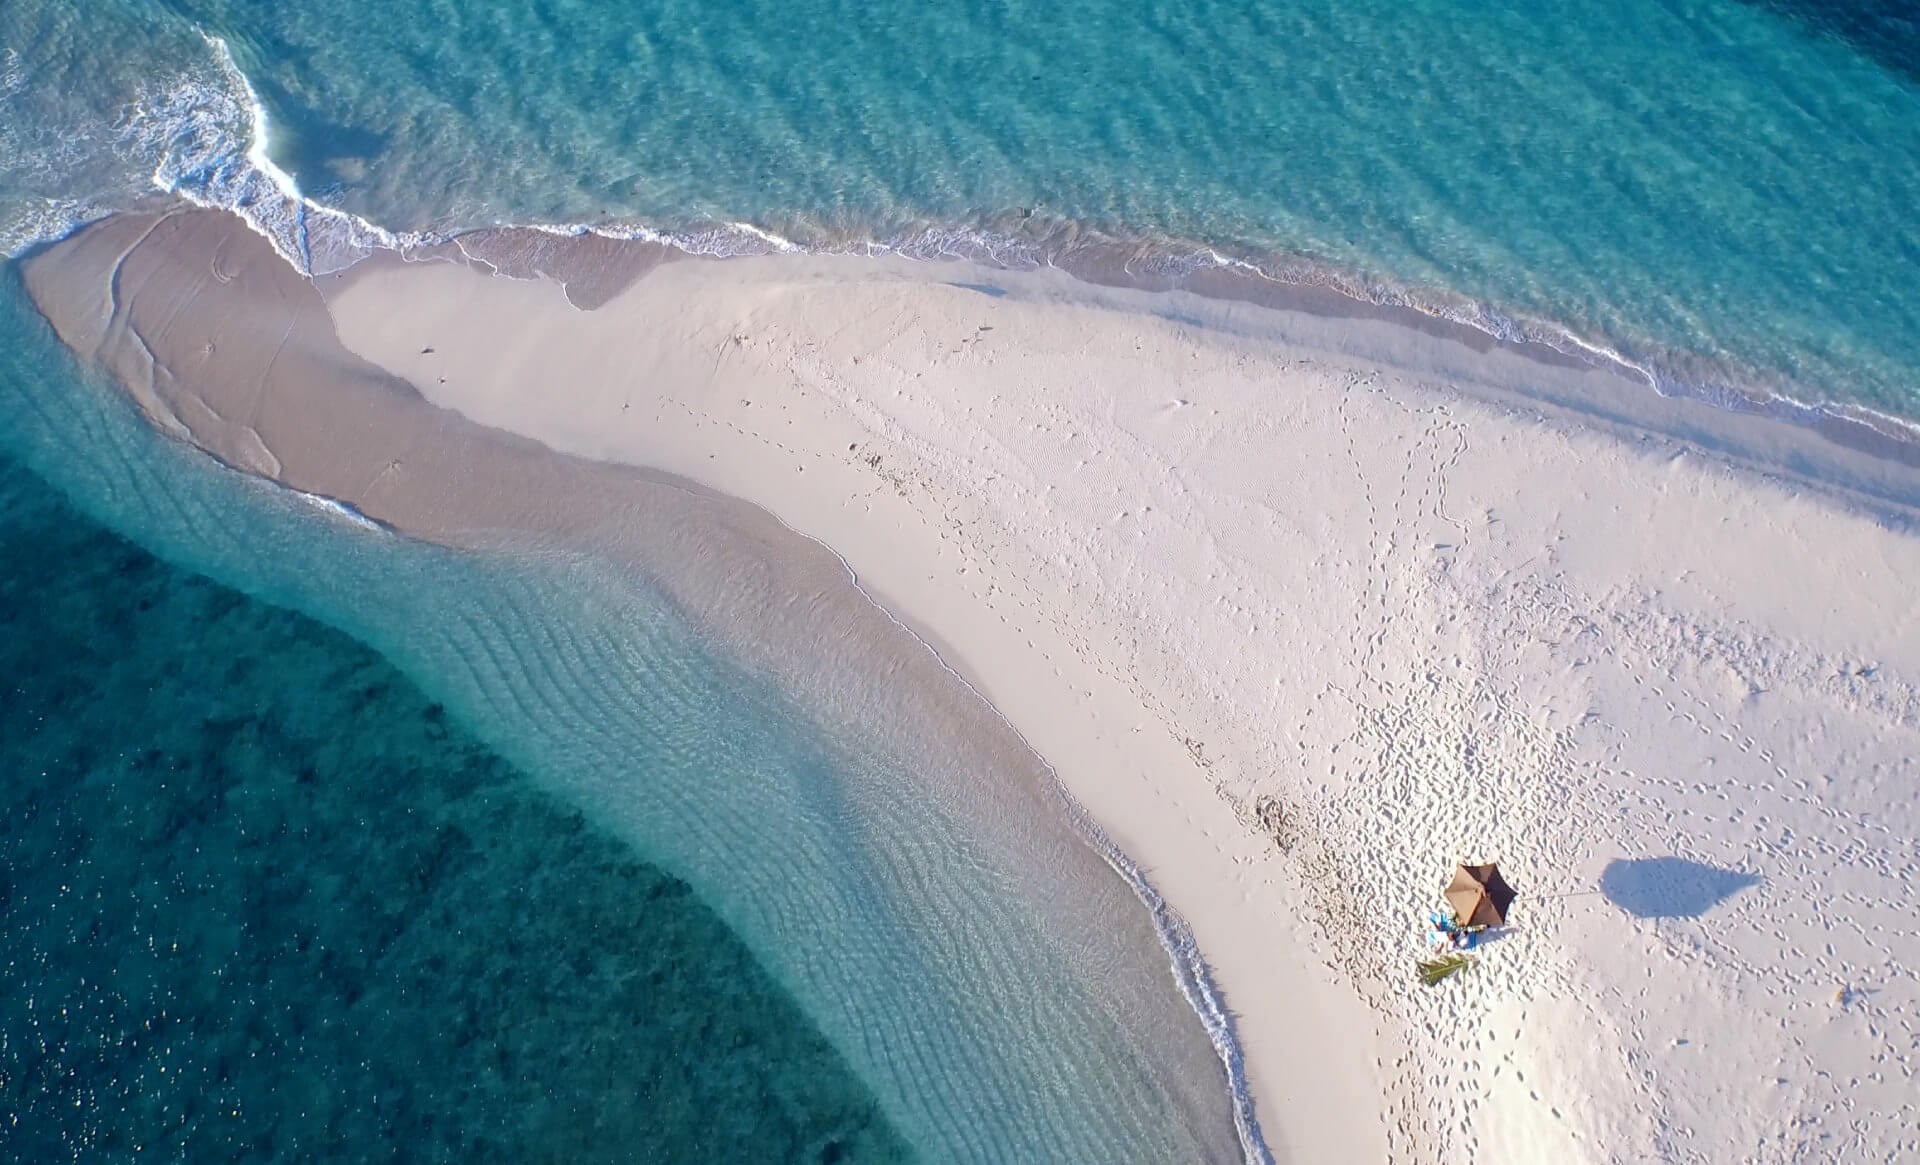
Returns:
(1670, 887)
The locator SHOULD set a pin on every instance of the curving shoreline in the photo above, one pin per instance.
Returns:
(1042, 443)
(1206, 557)
(219, 157)
(230, 349)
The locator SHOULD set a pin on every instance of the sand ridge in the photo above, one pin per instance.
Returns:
(167, 304)
(1227, 570)
(1303, 609)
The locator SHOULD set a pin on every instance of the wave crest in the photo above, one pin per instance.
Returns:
(208, 135)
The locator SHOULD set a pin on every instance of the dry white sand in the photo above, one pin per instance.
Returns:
(1302, 625)
(1303, 610)
(934, 805)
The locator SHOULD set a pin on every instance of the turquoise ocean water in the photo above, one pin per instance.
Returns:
(237, 932)
(1720, 193)
(389, 851)
(1719, 190)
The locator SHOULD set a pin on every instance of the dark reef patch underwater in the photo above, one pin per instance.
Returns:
(264, 901)
(1886, 31)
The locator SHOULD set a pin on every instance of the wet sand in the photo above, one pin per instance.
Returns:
(225, 346)
(1301, 606)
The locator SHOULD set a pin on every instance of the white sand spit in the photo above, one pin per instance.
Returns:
(1302, 624)
(1302, 609)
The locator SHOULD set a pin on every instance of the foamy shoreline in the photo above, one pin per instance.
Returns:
(231, 170)
(1223, 565)
(1020, 243)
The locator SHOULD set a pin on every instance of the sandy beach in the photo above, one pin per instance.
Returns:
(1301, 607)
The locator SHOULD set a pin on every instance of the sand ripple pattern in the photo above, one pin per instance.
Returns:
(963, 958)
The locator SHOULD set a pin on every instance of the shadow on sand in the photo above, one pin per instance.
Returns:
(1670, 887)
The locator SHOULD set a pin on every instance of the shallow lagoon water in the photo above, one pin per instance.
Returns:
(266, 901)
(996, 1003)
(1719, 191)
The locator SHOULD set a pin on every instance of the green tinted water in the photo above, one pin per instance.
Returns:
(996, 1001)
(1711, 184)
(266, 901)
(1718, 190)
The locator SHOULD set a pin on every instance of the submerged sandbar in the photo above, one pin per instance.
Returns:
(226, 346)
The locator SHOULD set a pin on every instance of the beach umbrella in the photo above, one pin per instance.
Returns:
(1479, 895)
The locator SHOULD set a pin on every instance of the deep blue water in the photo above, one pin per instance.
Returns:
(1720, 191)
(605, 800)
(264, 900)
(1886, 30)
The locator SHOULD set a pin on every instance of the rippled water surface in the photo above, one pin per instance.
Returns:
(679, 911)
(571, 816)
(1719, 186)
(267, 901)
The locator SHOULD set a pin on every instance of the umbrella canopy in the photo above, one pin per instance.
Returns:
(1479, 895)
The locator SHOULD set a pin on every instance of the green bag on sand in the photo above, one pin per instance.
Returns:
(1436, 969)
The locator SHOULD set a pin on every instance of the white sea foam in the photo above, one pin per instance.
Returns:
(42, 219)
(33, 158)
(209, 136)
(338, 509)
(723, 240)
(13, 75)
